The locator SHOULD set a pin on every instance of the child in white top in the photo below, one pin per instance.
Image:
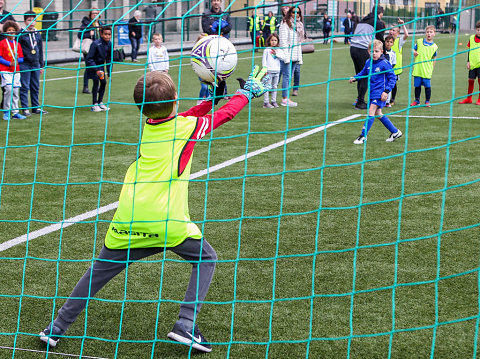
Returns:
(158, 55)
(272, 63)
(392, 58)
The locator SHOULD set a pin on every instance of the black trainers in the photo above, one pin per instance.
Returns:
(86, 90)
(361, 105)
(195, 339)
(51, 335)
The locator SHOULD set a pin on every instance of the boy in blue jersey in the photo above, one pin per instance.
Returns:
(152, 214)
(382, 80)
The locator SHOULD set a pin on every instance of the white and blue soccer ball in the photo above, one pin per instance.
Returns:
(213, 57)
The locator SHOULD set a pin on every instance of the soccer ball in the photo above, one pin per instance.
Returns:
(213, 56)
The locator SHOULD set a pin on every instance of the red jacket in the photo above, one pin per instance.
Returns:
(9, 54)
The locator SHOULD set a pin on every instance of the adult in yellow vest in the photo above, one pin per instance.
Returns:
(425, 52)
(269, 25)
(255, 26)
(398, 48)
(473, 64)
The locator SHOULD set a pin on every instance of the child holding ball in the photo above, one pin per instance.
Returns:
(152, 214)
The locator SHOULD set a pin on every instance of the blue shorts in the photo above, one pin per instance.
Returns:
(420, 81)
(377, 102)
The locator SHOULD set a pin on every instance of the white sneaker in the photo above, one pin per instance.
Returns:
(96, 108)
(359, 140)
(394, 136)
(267, 105)
(289, 103)
(103, 107)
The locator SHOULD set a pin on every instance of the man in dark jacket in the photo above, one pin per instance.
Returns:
(135, 33)
(215, 21)
(32, 66)
(347, 28)
(369, 28)
(100, 53)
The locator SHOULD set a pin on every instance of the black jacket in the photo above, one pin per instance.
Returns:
(348, 25)
(100, 53)
(25, 39)
(133, 26)
(208, 19)
(86, 27)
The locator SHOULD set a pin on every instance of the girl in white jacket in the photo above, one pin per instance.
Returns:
(272, 63)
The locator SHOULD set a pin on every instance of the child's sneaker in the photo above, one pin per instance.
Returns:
(427, 103)
(193, 338)
(96, 108)
(414, 103)
(27, 113)
(6, 116)
(19, 116)
(103, 107)
(267, 105)
(51, 335)
(394, 136)
(359, 140)
(289, 103)
(274, 104)
(467, 100)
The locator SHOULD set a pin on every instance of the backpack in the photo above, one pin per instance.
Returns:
(118, 55)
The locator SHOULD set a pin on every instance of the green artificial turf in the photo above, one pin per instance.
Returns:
(326, 249)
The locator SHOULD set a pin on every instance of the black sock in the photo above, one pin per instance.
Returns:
(428, 93)
(418, 91)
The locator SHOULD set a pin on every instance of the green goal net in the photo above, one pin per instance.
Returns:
(326, 249)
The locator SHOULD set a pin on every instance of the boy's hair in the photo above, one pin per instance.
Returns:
(156, 92)
(270, 38)
(105, 28)
(389, 37)
(10, 23)
(28, 14)
(201, 36)
(477, 25)
(157, 34)
(430, 27)
(376, 44)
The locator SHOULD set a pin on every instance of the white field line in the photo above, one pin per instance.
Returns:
(448, 117)
(50, 352)
(185, 63)
(91, 214)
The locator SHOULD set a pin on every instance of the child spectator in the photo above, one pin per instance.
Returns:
(425, 52)
(152, 214)
(326, 27)
(100, 53)
(11, 56)
(382, 79)
(398, 43)
(473, 64)
(158, 55)
(391, 56)
(32, 67)
(272, 63)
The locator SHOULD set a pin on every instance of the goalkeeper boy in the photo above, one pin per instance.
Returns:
(152, 213)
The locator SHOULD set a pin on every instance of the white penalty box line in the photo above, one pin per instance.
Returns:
(91, 214)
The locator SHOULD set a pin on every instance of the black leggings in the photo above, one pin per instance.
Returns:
(359, 57)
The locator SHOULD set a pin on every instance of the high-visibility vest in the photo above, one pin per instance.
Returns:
(270, 23)
(257, 24)
(474, 53)
(399, 57)
(424, 61)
